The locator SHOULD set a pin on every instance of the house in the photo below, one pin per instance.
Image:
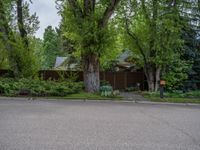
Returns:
(69, 63)
(125, 62)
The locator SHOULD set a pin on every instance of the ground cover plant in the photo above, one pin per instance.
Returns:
(174, 97)
(175, 94)
(29, 87)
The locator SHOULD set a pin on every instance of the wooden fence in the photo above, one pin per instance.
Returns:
(118, 80)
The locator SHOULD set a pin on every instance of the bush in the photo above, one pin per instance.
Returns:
(24, 62)
(106, 90)
(131, 89)
(104, 83)
(11, 87)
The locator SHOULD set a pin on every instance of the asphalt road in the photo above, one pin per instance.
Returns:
(67, 125)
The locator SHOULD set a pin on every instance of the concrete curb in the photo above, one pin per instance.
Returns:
(90, 100)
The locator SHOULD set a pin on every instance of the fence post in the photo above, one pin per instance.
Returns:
(125, 80)
(114, 78)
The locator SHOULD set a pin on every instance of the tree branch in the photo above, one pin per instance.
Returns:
(134, 37)
(20, 22)
(76, 8)
(89, 7)
(145, 11)
(108, 13)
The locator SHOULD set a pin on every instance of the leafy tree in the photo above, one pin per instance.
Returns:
(154, 32)
(175, 73)
(86, 23)
(15, 29)
(3, 56)
(6, 34)
(191, 34)
(37, 48)
(51, 47)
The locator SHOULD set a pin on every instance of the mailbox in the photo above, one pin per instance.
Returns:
(162, 82)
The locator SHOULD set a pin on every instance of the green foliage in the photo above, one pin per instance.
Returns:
(131, 89)
(86, 34)
(37, 49)
(51, 47)
(158, 37)
(192, 53)
(106, 91)
(28, 87)
(176, 73)
(176, 100)
(174, 94)
(23, 62)
(70, 76)
(3, 56)
(31, 21)
(20, 53)
(104, 83)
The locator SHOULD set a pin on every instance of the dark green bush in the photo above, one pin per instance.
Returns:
(106, 90)
(29, 87)
(131, 89)
(104, 83)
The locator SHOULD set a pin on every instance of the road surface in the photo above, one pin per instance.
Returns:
(73, 125)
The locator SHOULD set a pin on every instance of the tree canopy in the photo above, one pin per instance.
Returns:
(164, 37)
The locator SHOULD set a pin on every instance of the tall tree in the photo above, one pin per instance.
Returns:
(20, 21)
(86, 23)
(15, 31)
(153, 28)
(191, 34)
(6, 34)
(51, 47)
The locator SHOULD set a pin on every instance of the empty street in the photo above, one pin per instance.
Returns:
(76, 125)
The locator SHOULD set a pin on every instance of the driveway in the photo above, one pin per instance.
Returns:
(70, 125)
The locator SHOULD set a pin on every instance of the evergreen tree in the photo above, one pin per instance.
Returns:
(51, 47)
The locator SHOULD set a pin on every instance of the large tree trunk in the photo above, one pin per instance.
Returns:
(150, 81)
(157, 79)
(91, 61)
(91, 73)
(153, 77)
(148, 69)
(20, 21)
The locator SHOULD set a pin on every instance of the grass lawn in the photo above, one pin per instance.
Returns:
(87, 96)
(79, 96)
(174, 97)
(175, 100)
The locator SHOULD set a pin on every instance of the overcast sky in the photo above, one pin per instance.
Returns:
(47, 14)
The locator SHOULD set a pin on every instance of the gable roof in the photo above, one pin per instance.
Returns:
(60, 61)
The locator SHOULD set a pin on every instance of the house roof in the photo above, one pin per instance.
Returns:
(60, 61)
(63, 63)
(124, 56)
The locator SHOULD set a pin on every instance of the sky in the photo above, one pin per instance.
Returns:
(47, 14)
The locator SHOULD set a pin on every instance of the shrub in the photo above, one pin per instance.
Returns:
(106, 90)
(104, 83)
(131, 89)
(11, 87)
